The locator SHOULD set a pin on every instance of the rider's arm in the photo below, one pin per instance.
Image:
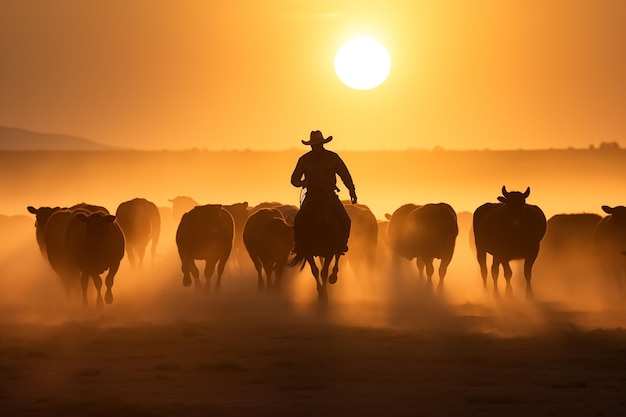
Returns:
(344, 174)
(296, 177)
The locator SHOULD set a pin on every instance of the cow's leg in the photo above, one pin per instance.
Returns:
(84, 283)
(221, 265)
(481, 256)
(258, 266)
(268, 267)
(443, 270)
(528, 272)
(195, 274)
(97, 282)
(189, 269)
(495, 271)
(279, 269)
(508, 273)
(141, 254)
(108, 295)
(335, 271)
(421, 265)
(430, 271)
(209, 268)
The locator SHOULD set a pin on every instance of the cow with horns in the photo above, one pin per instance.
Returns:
(508, 230)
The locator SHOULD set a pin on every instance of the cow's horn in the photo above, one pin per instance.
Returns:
(527, 192)
(504, 191)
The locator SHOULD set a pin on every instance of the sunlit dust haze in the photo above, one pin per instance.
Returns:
(257, 75)
(388, 294)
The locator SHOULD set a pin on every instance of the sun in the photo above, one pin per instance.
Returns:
(362, 63)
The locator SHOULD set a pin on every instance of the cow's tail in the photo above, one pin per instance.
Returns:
(297, 259)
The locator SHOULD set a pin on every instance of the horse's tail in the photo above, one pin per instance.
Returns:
(297, 259)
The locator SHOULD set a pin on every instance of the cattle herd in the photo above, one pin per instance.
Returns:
(83, 242)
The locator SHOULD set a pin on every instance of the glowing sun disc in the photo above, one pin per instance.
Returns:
(362, 64)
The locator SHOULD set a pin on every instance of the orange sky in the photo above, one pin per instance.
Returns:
(248, 74)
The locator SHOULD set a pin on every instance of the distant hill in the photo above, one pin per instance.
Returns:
(14, 139)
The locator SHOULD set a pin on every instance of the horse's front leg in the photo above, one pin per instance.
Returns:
(319, 283)
(335, 272)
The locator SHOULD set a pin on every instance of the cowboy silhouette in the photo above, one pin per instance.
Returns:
(316, 171)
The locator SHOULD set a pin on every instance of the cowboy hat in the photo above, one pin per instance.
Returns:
(317, 138)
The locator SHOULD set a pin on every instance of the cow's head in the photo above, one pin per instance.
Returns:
(515, 203)
(42, 214)
(618, 215)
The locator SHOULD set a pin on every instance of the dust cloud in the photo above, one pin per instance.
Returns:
(388, 295)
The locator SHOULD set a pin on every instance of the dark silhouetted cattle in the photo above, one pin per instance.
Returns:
(268, 240)
(56, 235)
(205, 233)
(141, 223)
(426, 233)
(83, 242)
(42, 214)
(569, 236)
(508, 230)
(181, 205)
(96, 245)
(609, 240)
(395, 237)
(287, 210)
(363, 238)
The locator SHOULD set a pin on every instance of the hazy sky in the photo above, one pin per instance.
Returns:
(258, 74)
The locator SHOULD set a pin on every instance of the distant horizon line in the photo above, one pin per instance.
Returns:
(613, 145)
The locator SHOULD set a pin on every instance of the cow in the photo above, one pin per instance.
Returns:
(181, 205)
(395, 231)
(426, 233)
(83, 242)
(205, 233)
(269, 240)
(508, 230)
(42, 215)
(96, 244)
(363, 238)
(288, 211)
(141, 223)
(569, 236)
(609, 240)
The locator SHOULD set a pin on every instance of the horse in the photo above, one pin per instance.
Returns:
(317, 228)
